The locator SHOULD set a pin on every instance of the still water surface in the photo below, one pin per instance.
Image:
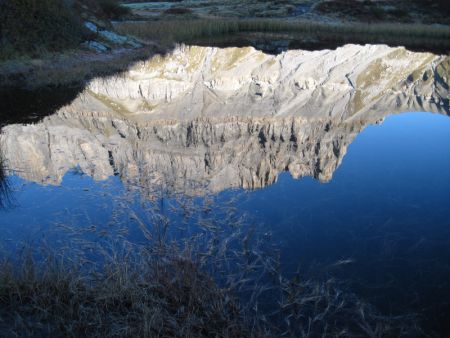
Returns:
(381, 224)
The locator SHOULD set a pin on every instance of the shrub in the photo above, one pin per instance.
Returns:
(112, 9)
(33, 26)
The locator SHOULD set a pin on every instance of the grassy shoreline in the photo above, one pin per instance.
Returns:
(34, 28)
(423, 37)
(47, 43)
(77, 66)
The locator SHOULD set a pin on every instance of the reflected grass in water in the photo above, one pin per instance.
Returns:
(218, 278)
(411, 35)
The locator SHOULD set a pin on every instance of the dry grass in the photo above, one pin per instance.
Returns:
(31, 27)
(35, 27)
(115, 288)
(412, 35)
(219, 279)
(131, 297)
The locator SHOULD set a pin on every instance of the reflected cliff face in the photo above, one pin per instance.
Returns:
(192, 157)
(209, 119)
(5, 194)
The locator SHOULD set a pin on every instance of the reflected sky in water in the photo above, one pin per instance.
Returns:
(381, 225)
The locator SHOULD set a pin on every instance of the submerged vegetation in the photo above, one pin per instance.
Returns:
(410, 35)
(211, 276)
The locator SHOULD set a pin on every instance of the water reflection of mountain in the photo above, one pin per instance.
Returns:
(208, 118)
(249, 153)
(5, 196)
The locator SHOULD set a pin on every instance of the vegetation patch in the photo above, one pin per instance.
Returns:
(157, 299)
(110, 9)
(33, 27)
(374, 71)
(115, 106)
(443, 72)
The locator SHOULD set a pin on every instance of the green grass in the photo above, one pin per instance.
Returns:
(415, 35)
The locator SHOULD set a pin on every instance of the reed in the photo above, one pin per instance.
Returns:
(188, 31)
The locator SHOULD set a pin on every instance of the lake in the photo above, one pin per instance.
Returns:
(362, 199)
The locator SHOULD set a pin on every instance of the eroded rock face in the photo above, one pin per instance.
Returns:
(208, 119)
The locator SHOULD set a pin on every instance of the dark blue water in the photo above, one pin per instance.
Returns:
(381, 225)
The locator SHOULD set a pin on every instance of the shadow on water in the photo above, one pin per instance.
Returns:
(30, 106)
(22, 101)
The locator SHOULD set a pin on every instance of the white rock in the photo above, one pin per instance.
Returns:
(96, 46)
(92, 27)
